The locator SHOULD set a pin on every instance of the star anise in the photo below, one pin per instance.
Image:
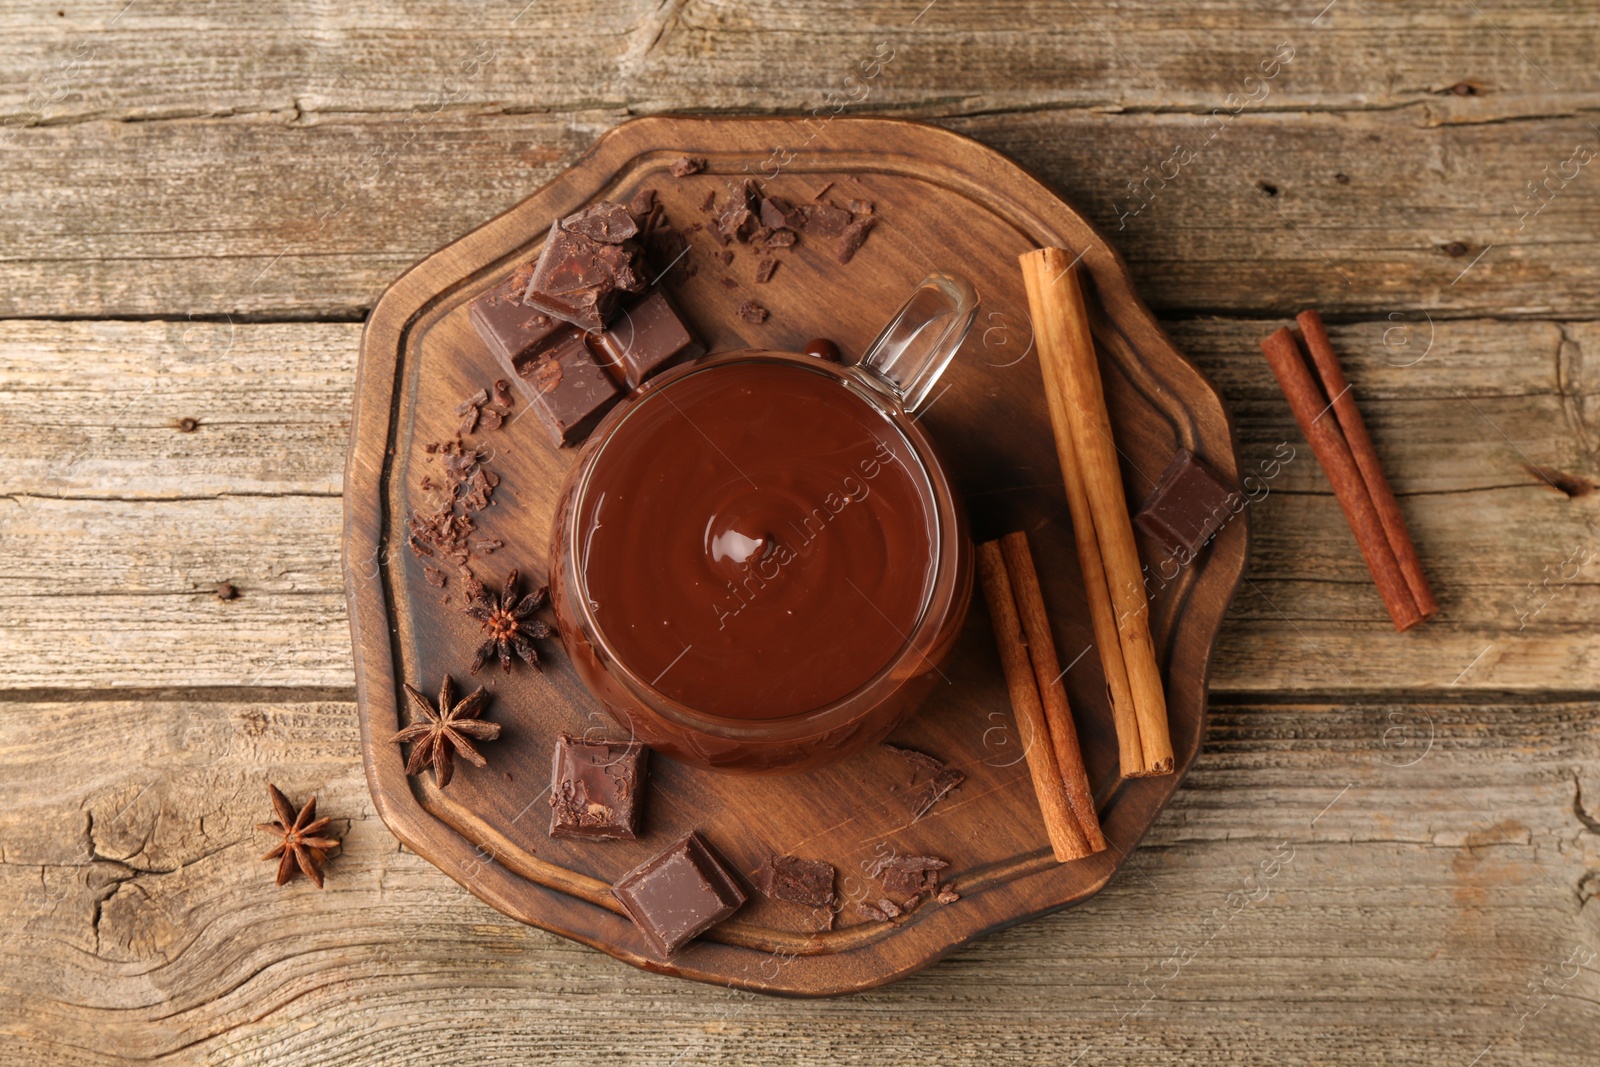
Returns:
(300, 844)
(505, 620)
(443, 731)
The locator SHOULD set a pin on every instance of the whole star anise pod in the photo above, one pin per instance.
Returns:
(505, 620)
(300, 844)
(444, 729)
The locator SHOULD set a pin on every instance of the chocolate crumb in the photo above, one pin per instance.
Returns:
(187, 425)
(883, 910)
(765, 269)
(728, 283)
(436, 577)
(709, 203)
(861, 207)
(947, 896)
(726, 255)
(226, 591)
(1455, 249)
(502, 393)
(684, 166)
(642, 203)
(782, 239)
(750, 311)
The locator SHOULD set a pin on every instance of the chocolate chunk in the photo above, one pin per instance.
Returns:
(909, 876)
(1189, 504)
(595, 788)
(765, 269)
(750, 311)
(679, 894)
(861, 207)
(800, 881)
(684, 166)
(781, 239)
(933, 791)
(726, 256)
(510, 328)
(587, 258)
(824, 220)
(646, 336)
(569, 390)
(854, 236)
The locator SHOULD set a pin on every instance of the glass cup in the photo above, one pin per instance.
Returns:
(800, 669)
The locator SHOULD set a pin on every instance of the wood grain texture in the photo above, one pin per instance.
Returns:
(263, 216)
(106, 499)
(1424, 881)
(160, 156)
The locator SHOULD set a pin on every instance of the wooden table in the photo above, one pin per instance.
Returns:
(202, 202)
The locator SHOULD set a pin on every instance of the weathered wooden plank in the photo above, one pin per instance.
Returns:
(278, 215)
(1333, 884)
(116, 527)
(108, 59)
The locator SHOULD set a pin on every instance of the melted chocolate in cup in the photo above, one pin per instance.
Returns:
(759, 543)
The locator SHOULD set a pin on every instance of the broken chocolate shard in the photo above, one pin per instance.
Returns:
(587, 258)
(684, 166)
(797, 880)
(608, 222)
(935, 790)
(825, 220)
(1189, 504)
(570, 391)
(679, 894)
(884, 910)
(854, 236)
(595, 788)
(778, 213)
(765, 269)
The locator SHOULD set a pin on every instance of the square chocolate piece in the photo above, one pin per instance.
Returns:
(1190, 504)
(510, 328)
(594, 789)
(568, 390)
(679, 895)
(646, 336)
(798, 881)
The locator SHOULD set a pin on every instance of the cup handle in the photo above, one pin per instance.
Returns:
(916, 346)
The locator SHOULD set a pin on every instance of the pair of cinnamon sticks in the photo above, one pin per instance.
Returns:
(1046, 731)
(1322, 403)
(1108, 557)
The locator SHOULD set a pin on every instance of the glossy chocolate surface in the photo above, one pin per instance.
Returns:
(1187, 506)
(760, 546)
(568, 389)
(645, 336)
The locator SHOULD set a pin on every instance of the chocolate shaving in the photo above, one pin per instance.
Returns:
(883, 910)
(435, 577)
(854, 236)
(941, 786)
(909, 876)
(750, 311)
(477, 399)
(797, 880)
(502, 393)
(919, 761)
(765, 269)
(469, 421)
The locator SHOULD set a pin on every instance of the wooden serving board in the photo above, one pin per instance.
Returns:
(944, 202)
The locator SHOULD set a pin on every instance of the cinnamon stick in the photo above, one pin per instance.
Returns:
(1107, 554)
(1310, 404)
(1067, 840)
(1354, 426)
(1047, 673)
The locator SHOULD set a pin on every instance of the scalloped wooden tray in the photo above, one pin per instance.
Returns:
(945, 202)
